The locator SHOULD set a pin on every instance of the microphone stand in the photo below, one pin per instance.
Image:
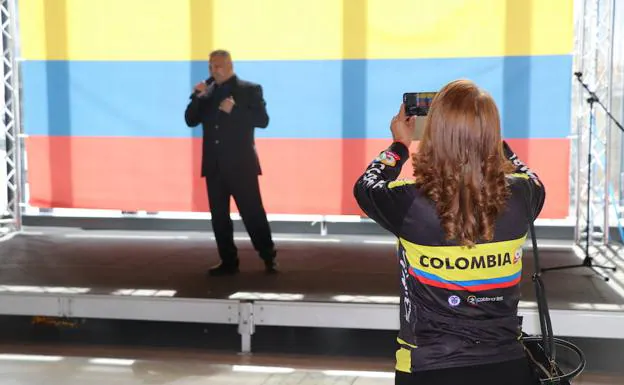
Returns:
(588, 261)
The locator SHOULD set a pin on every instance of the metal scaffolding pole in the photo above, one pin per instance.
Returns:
(593, 65)
(10, 142)
(594, 37)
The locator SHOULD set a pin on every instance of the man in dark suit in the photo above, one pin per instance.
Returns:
(229, 109)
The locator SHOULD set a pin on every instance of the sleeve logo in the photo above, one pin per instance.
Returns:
(388, 158)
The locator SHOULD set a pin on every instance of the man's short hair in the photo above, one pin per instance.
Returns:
(220, 52)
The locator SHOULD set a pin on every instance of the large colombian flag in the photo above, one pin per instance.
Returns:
(105, 84)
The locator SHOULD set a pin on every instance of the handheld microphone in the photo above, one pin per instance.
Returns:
(208, 82)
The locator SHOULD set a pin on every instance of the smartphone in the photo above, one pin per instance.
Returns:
(418, 104)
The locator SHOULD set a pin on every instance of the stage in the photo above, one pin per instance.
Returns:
(337, 281)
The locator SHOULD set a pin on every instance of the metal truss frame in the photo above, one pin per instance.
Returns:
(593, 58)
(10, 220)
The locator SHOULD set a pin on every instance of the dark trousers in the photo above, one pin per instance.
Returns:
(246, 192)
(516, 372)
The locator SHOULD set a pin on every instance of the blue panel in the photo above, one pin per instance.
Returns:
(305, 99)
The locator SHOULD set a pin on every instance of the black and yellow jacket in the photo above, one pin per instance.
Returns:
(458, 305)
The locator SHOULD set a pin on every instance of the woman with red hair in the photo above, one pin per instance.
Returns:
(461, 224)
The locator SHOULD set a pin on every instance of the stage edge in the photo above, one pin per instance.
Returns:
(249, 314)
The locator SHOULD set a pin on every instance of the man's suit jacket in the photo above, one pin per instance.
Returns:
(228, 140)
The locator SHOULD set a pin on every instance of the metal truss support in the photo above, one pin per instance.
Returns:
(10, 140)
(594, 60)
(593, 66)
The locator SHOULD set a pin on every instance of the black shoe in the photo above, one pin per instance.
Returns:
(224, 269)
(270, 266)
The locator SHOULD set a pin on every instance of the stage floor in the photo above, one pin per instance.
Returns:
(333, 270)
(319, 268)
(56, 366)
(95, 365)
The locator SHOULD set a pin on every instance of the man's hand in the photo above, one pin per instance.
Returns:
(403, 127)
(200, 89)
(227, 105)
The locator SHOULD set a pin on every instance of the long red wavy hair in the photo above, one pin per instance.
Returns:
(460, 164)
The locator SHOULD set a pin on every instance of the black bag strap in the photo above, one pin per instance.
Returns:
(540, 292)
(548, 340)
